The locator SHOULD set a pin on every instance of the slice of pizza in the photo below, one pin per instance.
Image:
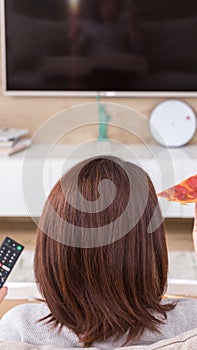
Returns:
(185, 192)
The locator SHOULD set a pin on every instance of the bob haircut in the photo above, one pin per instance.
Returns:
(113, 289)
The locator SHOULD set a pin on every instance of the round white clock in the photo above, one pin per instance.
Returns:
(172, 123)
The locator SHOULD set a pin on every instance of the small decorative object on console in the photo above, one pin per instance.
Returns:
(172, 123)
(9, 134)
(11, 141)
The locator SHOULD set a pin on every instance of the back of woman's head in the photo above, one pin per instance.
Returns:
(101, 258)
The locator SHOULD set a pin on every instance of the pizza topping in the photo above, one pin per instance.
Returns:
(180, 189)
(181, 196)
(193, 194)
(192, 182)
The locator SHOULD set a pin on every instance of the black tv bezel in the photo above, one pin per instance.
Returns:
(68, 93)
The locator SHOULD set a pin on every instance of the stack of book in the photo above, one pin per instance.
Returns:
(11, 141)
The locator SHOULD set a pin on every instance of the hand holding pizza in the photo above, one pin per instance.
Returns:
(183, 193)
(195, 230)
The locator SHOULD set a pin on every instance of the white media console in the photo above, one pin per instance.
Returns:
(164, 170)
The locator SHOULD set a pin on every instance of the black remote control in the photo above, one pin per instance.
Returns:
(10, 251)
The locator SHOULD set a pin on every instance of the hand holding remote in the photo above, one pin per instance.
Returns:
(3, 293)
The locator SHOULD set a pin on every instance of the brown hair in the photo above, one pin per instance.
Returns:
(107, 290)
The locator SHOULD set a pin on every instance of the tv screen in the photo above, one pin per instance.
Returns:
(121, 47)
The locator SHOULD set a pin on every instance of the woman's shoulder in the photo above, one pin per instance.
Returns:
(184, 314)
(21, 324)
(25, 310)
(15, 323)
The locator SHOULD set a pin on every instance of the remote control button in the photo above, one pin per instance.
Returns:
(6, 268)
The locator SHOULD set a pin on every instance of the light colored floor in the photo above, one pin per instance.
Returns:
(21, 230)
(179, 232)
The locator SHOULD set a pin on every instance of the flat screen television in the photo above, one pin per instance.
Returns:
(106, 47)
